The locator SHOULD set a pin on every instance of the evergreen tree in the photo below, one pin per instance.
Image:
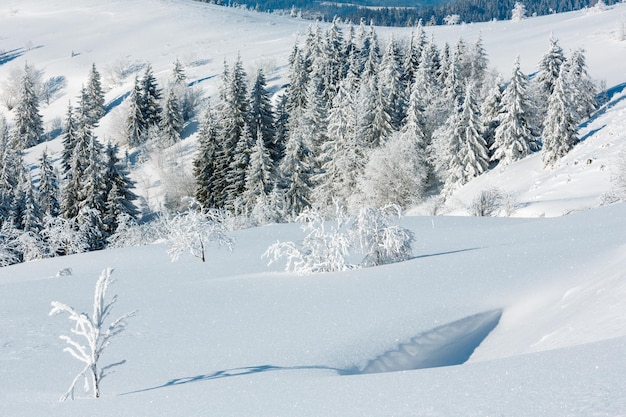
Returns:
(118, 192)
(584, 90)
(11, 165)
(233, 116)
(261, 112)
(515, 137)
(48, 187)
(392, 88)
(204, 167)
(277, 148)
(298, 82)
(549, 68)
(95, 97)
(313, 121)
(136, 126)
(490, 113)
(475, 158)
(560, 127)
(26, 212)
(236, 175)
(70, 130)
(259, 178)
(342, 155)
(172, 121)
(295, 171)
(28, 122)
(150, 99)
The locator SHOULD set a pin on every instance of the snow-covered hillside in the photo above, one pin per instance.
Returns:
(64, 39)
(234, 336)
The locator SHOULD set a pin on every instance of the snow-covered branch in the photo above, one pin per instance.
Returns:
(93, 333)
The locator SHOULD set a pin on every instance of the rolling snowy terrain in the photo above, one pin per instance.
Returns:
(542, 297)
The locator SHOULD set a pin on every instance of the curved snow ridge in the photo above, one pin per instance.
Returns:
(447, 345)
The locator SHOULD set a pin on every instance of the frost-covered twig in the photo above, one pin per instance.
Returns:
(93, 333)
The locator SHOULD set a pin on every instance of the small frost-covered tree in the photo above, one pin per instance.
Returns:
(519, 12)
(377, 234)
(94, 336)
(194, 230)
(325, 248)
(487, 203)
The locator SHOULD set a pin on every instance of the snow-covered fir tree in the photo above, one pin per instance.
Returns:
(549, 69)
(583, 89)
(516, 136)
(28, 130)
(49, 191)
(150, 99)
(259, 178)
(95, 96)
(490, 113)
(26, 212)
(262, 114)
(392, 88)
(171, 125)
(236, 174)
(118, 193)
(204, 168)
(136, 127)
(70, 131)
(560, 125)
(11, 165)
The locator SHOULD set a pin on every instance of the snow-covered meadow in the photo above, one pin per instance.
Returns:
(234, 336)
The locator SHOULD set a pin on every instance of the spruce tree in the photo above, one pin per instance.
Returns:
(11, 165)
(118, 192)
(584, 90)
(136, 126)
(516, 136)
(28, 129)
(150, 99)
(70, 131)
(261, 112)
(277, 148)
(172, 121)
(95, 97)
(392, 87)
(204, 168)
(549, 68)
(259, 178)
(48, 187)
(560, 126)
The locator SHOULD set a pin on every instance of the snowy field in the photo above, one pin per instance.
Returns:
(236, 337)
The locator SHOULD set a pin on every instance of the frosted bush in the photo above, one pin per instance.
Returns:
(327, 245)
(487, 203)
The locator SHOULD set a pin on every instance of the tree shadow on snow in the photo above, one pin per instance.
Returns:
(447, 345)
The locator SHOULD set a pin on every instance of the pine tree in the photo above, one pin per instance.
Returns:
(298, 81)
(392, 88)
(560, 127)
(172, 121)
(26, 212)
(204, 167)
(150, 99)
(136, 125)
(70, 130)
(11, 165)
(277, 148)
(490, 113)
(236, 175)
(259, 178)
(118, 192)
(549, 68)
(95, 97)
(516, 135)
(261, 112)
(233, 117)
(295, 171)
(28, 122)
(475, 157)
(48, 187)
(342, 155)
(584, 91)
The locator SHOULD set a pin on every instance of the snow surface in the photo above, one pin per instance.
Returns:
(236, 337)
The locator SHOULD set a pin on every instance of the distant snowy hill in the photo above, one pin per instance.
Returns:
(543, 298)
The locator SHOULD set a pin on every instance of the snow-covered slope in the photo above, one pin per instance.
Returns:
(236, 337)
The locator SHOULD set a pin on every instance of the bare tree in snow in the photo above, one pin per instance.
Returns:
(92, 331)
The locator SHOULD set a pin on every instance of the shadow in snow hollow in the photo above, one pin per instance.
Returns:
(447, 345)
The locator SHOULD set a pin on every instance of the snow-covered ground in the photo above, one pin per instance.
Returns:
(235, 336)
